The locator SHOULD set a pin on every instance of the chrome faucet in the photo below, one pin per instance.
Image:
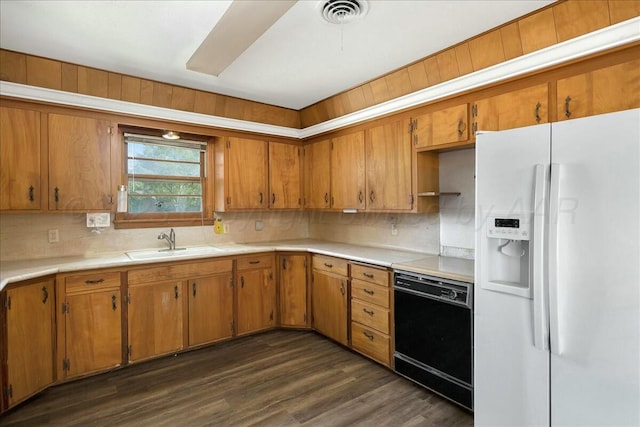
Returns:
(170, 238)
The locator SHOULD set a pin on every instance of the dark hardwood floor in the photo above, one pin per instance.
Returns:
(278, 378)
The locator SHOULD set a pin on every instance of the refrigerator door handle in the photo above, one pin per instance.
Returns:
(540, 312)
(554, 303)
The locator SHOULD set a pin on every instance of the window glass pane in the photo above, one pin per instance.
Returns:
(151, 187)
(153, 167)
(163, 152)
(152, 204)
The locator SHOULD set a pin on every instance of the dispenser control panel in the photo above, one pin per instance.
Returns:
(508, 227)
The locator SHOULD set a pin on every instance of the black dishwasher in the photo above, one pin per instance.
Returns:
(434, 334)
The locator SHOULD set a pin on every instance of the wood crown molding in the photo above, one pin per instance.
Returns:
(598, 41)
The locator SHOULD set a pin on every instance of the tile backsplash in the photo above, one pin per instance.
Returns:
(26, 236)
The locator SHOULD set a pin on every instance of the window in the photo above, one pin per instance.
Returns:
(166, 179)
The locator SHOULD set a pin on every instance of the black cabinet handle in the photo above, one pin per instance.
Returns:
(242, 281)
(273, 198)
(461, 127)
(371, 196)
(567, 111)
(194, 289)
(175, 290)
(114, 301)
(369, 312)
(45, 294)
(538, 118)
(255, 261)
(94, 282)
(32, 196)
(261, 197)
(326, 198)
(360, 197)
(56, 194)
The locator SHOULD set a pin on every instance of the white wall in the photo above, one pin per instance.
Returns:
(457, 213)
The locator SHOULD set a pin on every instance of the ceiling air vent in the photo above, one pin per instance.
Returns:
(343, 11)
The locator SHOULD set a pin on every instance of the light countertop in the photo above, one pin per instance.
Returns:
(454, 268)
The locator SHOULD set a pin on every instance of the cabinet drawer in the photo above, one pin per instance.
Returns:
(370, 293)
(179, 271)
(370, 342)
(370, 315)
(91, 281)
(257, 261)
(335, 265)
(370, 274)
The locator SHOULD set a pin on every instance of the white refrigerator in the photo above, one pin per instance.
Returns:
(557, 279)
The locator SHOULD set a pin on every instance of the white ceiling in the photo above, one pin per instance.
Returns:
(300, 60)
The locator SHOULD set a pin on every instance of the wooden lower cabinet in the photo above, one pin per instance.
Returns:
(89, 323)
(29, 320)
(256, 297)
(371, 312)
(210, 308)
(155, 319)
(329, 296)
(292, 290)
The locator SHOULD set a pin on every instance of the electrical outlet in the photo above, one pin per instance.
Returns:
(394, 229)
(259, 225)
(54, 236)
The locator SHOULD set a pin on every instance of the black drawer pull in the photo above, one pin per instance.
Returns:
(369, 312)
(114, 302)
(254, 262)
(368, 335)
(94, 282)
(369, 291)
(328, 265)
(368, 275)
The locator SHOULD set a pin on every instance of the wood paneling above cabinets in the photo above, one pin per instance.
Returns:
(52, 74)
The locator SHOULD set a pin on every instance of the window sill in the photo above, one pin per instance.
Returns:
(128, 221)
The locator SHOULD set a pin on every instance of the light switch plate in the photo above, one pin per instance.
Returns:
(102, 219)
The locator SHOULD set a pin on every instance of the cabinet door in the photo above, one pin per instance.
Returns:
(329, 301)
(441, 127)
(450, 125)
(284, 176)
(29, 318)
(388, 159)
(347, 172)
(317, 175)
(293, 290)
(93, 334)
(610, 89)
(155, 319)
(210, 308)
(256, 300)
(515, 109)
(79, 163)
(19, 159)
(246, 169)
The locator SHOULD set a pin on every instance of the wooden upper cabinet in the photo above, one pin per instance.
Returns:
(388, 167)
(348, 172)
(284, 176)
(210, 308)
(19, 159)
(446, 126)
(245, 170)
(317, 175)
(29, 339)
(79, 163)
(601, 91)
(524, 107)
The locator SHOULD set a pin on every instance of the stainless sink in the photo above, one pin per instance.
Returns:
(175, 253)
